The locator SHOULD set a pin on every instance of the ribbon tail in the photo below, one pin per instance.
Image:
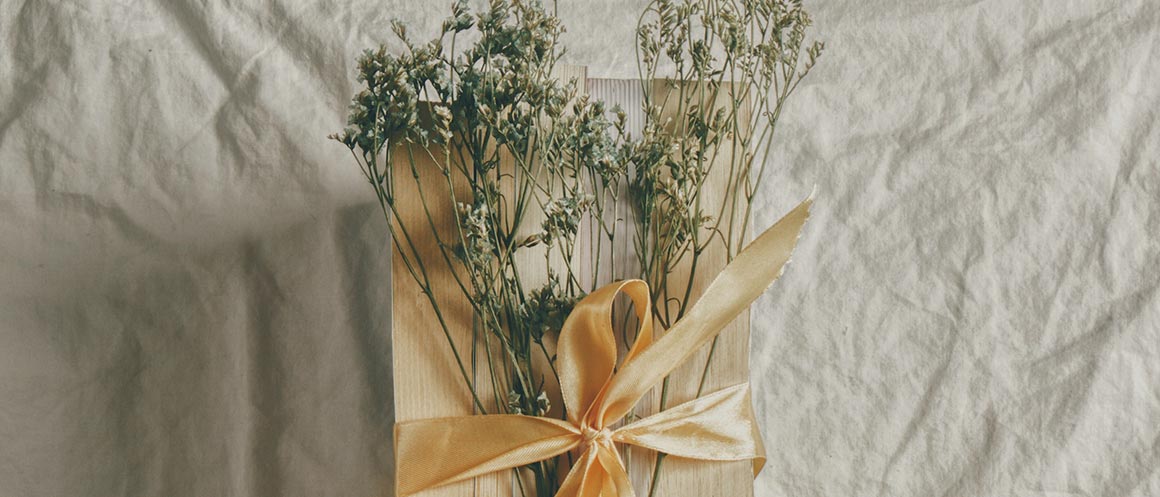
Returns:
(738, 285)
(598, 473)
(436, 452)
(616, 480)
(586, 479)
(717, 427)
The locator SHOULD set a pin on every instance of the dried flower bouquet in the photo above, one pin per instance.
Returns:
(478, 123)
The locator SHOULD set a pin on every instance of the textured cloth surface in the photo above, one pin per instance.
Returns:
(194, 281)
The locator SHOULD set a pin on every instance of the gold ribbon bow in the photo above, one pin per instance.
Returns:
(718, 427)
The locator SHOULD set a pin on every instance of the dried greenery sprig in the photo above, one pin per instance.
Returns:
(530, 166)
(522, 142)
(731, 67)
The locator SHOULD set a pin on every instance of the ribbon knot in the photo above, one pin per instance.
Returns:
(717, 427)
(590, 436)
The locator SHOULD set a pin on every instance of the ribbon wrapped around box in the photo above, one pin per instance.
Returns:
(719, 426)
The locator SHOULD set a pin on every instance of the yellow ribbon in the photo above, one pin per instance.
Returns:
(717, 427)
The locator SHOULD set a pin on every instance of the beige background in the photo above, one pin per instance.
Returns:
(192, 279)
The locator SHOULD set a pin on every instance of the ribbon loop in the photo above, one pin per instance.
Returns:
(586, 349)
(717, 427)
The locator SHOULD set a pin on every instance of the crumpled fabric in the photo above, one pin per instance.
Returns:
(194, 281)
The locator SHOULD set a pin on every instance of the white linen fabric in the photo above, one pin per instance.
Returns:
(194, 281)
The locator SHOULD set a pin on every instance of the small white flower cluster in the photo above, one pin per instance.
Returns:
(562, 217)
